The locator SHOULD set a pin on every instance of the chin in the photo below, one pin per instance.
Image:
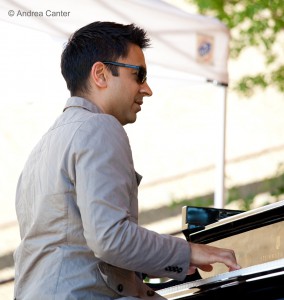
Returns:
(131, 120)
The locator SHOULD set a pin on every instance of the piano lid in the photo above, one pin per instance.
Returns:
(233, 223)
(195, 218)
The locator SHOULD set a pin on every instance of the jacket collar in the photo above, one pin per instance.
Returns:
(83, 103)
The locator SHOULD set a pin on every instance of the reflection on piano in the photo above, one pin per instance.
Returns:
(257, 236)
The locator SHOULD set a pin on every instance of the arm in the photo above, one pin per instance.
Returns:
(106, 190)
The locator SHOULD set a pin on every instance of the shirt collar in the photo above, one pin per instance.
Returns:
(83, 103)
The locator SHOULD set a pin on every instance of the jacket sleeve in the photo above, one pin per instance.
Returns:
(106, 188)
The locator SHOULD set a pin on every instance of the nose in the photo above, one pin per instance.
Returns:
(145, 89)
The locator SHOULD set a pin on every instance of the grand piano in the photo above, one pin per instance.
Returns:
(257, 237)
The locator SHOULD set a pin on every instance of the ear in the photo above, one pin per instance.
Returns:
(99, 74)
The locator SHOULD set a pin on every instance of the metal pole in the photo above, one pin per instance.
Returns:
(219, 195)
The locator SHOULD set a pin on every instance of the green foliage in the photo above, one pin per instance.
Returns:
(276, 185)
(200, 202)
(243, 201)
(253, 23)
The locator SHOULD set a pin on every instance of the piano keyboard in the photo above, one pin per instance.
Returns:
(224, 279)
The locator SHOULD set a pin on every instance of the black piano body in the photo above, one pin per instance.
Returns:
(257, 237)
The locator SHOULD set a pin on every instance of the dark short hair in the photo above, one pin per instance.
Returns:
(97, 41)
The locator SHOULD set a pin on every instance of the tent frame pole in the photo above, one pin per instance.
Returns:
(219, 195)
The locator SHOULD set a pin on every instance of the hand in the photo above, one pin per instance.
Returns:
(203, 256)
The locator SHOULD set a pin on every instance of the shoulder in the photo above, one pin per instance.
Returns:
(102, 130)
(103, 124)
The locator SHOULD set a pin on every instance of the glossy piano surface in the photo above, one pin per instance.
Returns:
(257, 236)
(264, 281)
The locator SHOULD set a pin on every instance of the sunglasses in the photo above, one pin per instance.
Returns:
(141, 74)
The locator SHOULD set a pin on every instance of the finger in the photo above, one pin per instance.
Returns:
(229, 259)
(206, 268)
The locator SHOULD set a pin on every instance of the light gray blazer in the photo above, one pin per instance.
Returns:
(77, 208)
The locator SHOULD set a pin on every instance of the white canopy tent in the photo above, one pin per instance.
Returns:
(181, 41)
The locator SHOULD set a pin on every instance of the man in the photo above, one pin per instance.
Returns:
(76, 198)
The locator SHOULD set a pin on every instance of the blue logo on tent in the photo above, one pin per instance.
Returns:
(204, 49)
